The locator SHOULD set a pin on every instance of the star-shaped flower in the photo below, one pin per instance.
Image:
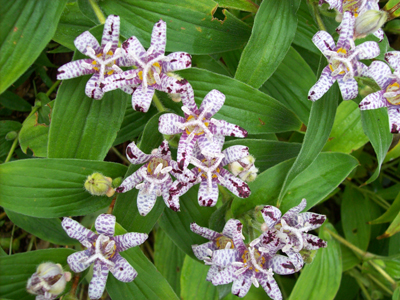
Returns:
(198, 125)
(104, 60)
(210, 172)
(389, 95)
(343, 61)
(154, 69)
(103, 249)
(152, 179)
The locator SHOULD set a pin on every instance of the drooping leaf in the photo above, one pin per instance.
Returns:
(5, 128)
(390, 214)
(26, 28)
(51, 188)
(393, 228)
(273, 32)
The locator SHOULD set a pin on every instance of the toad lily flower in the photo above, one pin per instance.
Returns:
(210, 172)
(153, 178)
(343, 61)
(389, 95)
(102, 249)
(104, 60)
(153, 69)
(198, 125)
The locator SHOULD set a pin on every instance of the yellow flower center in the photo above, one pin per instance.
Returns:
(336, 63)
(209, 163)
(156, 67)
(246, 259)
(107, 56)
(153, 165)
(222, 241)
(352, 6)
(195, 129)
(393, 88)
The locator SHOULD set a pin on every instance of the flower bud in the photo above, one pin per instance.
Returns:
(49, 280)
(98, 185)
(116, 182)
(12, 135)
(244, 168)
(369, 22)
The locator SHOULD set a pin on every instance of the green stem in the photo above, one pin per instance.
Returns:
(123, 158)
(225, 195)
(317, 16)
(374, 197)
(380, 284)
(158, 104)
(383, 272)
(52, 88)
(30, 245)
(13, 146)
(365, 292)
(97, 10)
(11, 240)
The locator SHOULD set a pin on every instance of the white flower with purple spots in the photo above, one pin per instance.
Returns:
(209, 171)
(198, 125)
(343, 61)
(103, 250)
(104, 60)
(154, 69)
(389, 95)
(153, 178)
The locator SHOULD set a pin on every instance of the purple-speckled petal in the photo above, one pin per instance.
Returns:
(367, 50)
(145, 202)
(93, 89)
(133, 45)
(111, 32)
(234, 153)
(122, 270)
(212, 272)
(380, 72)
(131, 181)
(228, 129)
(177, 61)
(393, 58)
(76, 230)
(373, 101)
(224, 257)
(99, 279)
(163, 149)
(188, 100)
(129, 240)
(314, 220)
(105, 224)
(271, 215)
(128, 89)
(347, 31)
(141, 100)
(333, 4)
(281, 265)
(204, 232)
(235, 185)
(135, 155)
(324, 41)
(323, 84)
(200, 251)
(185, 150)
(74, 69)
(394, 118)
(270, 241)
(312, 242)
(178, 189)
(119, 80)
(292, 213)
(348, 88)
(84, 40)
(185, 176)
(296, 259)
(237, 237)
(225, 276)
(211, 147)
(379, 34)
(270, 286)
(166, 124)
(230, 227)
(159, 38)
(242, 285)
(171, 84)
(361, 69)
(208, 196)
(76, 261)
(213, 101)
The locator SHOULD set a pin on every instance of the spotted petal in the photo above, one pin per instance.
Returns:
(145, 202)
(230, 227)
(312, 242)
(228, 129)
(225, 276)
(185, 150)
(333, 4)
(393, 58)
(234, 184)
(171, 84)
(77, 261)
(270, 286)
(348, 88)
(177, 61)
(311, 220)
(323, 84)
(111, 32)
(141, 100)
(131, 181)
(77, 231)
(271, 215)
(379, 34)
(200, 251)
(242, 285)
(122, 270)
(394, 119)
(84, 40)
(347, 31)
(211, 147)
(291, 215)
(99, 279)
(224, 257)
(185, 176)
(135, 155)
(367, 50)
(212, 272)
(105, 224)
(208, 196)
(234, 153)
(119, 80)
(129, 240)
(281, 265)
(133, 45)
(204, 232)
(167, 123)
(188, 100)
(74, 69)
(159, 38)
(213, 102)
(93, 89)
(178, 189)
(373, 101)
(381, 73)
(324, 41)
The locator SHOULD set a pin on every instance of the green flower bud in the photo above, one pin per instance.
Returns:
(117, 182)
(244, 168)
(99, 185)
(12, 135)
(369, 22)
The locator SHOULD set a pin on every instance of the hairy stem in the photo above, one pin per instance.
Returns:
(97, 10)
(158, 103)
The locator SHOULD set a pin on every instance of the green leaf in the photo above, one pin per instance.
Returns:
(244, 5)
(319, 127)
(267, 153)
(393, 228)
(26, 28)
(15, 270)
(393, 153)
(259, 113)
(390, 214)
(13, 101)
(149, 284)
(347, 134)
(191, 25)
(290, 84)
(125, 208)
(210, 63)
(51, 188)
(177, 224)
(355, 213)
(306, 28)
(273, 32)
(323, 275)
(396, 294)
(6, 127)
(193, 281)
(314, 184)
(45, 229)
(375, 123)
(349, 259)
(168, 259)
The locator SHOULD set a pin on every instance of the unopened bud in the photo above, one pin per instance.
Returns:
(308, 255)
(244, 168)
(175, 97)
(369, 22)
(49, 280)
(116, 182)
(12, 135)
(98, 185)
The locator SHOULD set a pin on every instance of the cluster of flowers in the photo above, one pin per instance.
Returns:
(344, 65)
(232, 260)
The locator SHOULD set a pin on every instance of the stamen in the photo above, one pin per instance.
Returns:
(130, 76)
(90, 52)
(107, 48)
(158, 168)
(86, 65)
(209, 252)
(228, 245)
(254, 281)
(240, 271)
(209, 182)
(186, 110)
(117, 69)
(140, 186)
(166, 170)
(237, 264)
(255, 242)
(254, 262)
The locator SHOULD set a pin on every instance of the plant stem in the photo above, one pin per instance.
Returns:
(383, 272)
(11, 240)
(317, 16)
(52, 88)
(13, 146)
(111, 207)
(123, 158)
(33, 238)
(380, 284)
(2, 215)
(97, 10)
(365, 292)
(158, 103)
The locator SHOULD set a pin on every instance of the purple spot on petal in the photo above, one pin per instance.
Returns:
(130, 154)
(120, 189)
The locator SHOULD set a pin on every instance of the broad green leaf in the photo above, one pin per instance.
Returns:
(45, 229)
(393, 228)
(2, 252)
(267, 153)
(323, 276)
(244, 106)
(375, 123)
(392, 265)
(51, 188)
(26, 28)
(244, 5)
(210, 63)
(15, 270)
(13, 101)
(191, 25)
(314, 184)
(290, 84)
(149, 284)
(6, 127)
(355, 213)
(125, 208)
(72, 23)
(168, 259)
(396, 294)
(273, 31)
(349, 259)
(390, 214)
(306, 28)
(319, 127)
(394, 244)
(86, 7)
(177, 224)
(193, 283)
(348, 288)
(347, 134)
